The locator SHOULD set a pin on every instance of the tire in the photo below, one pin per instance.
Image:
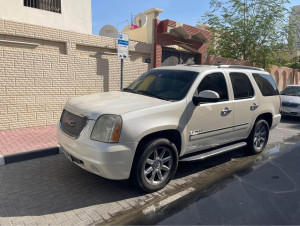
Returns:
(258, 137)
(155, 165)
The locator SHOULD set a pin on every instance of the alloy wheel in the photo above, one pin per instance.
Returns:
(157, 165)
(260, 136)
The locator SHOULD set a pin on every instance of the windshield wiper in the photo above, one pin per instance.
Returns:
(127, 90)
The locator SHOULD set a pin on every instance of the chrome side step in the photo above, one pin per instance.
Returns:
(214, 152)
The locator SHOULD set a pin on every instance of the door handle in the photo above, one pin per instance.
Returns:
(254, 106)
(226, 111)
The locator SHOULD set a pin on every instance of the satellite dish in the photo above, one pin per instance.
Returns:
(109, 31)
(140, 20)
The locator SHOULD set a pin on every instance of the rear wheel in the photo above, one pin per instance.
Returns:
(155, 165)
(259, 136)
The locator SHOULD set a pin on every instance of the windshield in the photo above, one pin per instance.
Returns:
(170, 85)
(291, 91)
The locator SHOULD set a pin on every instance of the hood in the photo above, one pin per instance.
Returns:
(115, 102)
(291, 99)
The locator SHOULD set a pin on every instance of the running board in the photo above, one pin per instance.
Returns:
(214, 152)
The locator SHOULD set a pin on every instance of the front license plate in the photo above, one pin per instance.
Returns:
(68, 156)
(286, 110)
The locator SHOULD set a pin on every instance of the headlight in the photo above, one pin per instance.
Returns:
(107, 129)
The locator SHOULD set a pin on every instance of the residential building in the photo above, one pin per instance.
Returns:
(173, 42)
(68, 15)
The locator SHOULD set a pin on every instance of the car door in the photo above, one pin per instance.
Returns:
(245, 104)
(210, 124)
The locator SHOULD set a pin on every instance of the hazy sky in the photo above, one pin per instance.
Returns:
(115, 11)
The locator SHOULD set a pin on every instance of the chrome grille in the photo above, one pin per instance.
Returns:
(72, 124)
(288, 104)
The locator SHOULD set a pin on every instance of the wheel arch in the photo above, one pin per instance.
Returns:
(170, 134)
(266, 116)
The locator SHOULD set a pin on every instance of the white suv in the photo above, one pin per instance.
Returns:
(185, 112)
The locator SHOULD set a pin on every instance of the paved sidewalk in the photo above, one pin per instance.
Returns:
(28, 139)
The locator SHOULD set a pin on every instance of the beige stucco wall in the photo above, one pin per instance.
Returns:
(284, 76)
(146, 33)
(38, 77)
(139, 34)
(75, 16)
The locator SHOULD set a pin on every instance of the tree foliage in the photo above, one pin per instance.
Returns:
(252, 30)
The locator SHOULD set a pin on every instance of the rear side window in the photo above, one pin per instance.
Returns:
(241, 85)
(266, 84)
(215, 82)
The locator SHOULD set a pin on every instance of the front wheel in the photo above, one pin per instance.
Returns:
(259, 136)
(155, 165)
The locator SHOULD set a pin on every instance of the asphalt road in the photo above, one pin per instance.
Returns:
(265, 192)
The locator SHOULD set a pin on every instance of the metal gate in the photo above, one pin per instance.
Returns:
(174, 57)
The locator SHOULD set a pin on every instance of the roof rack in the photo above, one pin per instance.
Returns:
(224, 66)
(193, 65)
(241, 67)
(198, 65)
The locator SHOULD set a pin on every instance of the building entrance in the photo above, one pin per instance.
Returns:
(172, 57)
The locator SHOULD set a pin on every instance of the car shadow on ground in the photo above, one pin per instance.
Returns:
(294, 122)
(52, 185)
(187, 168)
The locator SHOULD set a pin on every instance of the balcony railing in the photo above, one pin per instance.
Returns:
(49, 5)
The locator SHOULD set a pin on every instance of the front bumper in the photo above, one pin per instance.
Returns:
(290, 111)
(109, 160)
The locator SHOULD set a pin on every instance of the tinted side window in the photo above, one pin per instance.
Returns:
(241, 85)
(215, 82)
(266, 84)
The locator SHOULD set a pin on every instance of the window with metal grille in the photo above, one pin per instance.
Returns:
(49, 5)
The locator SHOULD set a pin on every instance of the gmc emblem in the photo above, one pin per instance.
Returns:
(70, 122)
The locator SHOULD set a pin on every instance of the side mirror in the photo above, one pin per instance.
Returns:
(206, 96)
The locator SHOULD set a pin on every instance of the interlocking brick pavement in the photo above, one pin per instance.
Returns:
(53, 191)
(29, 139)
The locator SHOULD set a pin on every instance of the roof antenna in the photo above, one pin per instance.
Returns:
(219, 64)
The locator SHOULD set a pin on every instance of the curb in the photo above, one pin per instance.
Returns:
(23, 156)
